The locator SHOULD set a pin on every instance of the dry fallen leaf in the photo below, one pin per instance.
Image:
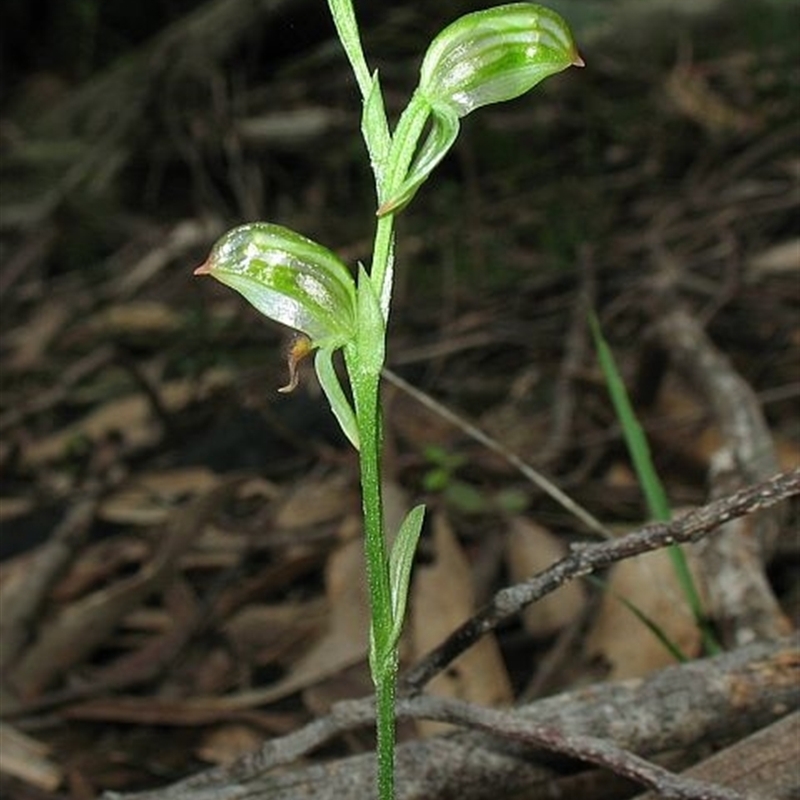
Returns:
(782, 258)
(443, 598)
(693, 96)
(620, 639)
(531, 548)
(11, 507)
(316, 500)
(685, 424)
(263, 634)
(685, 428)
(80, 627)
(25, 758)
(345, 642)
(130, 417)
(135, 318)
(30, 341)
(227, 743)
(341, 646)
(148, 498)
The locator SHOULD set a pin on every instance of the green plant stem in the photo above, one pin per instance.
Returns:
(367, 415)
(383, 261)
(404, 145)
(385, 690)
(383, 655)
(344, 18)
(366, 395)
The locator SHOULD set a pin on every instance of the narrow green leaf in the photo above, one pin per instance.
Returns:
(340, 405)
(657, 631)
(371, 332)
(440, 138)
(635, 439)
(400, 562)
(681, 566)
(653, 489)
(375, 131)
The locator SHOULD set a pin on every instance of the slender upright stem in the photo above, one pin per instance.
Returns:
(404, 145)
(383, 656)
(366, 392)
(368, 417)
(385, 689)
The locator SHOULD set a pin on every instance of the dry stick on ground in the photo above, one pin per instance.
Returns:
(586, 558)
(679, 709)
(82, 626)
(741, 600)
(72, 375)
(21, 601)
(591, 749)
(734, 404)
(764, 763)
(526, 470)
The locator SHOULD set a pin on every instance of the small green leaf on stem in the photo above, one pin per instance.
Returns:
(371, 336)
(375, 132)
(340, 405)
(400, 562)
(443, 132)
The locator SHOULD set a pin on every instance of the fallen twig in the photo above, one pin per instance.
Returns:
(764, 763)
(741, 600)
(602, 752)
(720, 698)
(21, 604)
(586, 558)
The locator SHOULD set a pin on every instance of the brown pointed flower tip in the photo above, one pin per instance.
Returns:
(300, 347)
(203, 269)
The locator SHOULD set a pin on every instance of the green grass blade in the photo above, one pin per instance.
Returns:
(655, 629)
(635, 440)
(653, 489)
(645, 619)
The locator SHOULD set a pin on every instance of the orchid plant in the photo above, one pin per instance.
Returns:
(484, 57)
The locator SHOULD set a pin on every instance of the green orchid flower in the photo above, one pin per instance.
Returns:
(484, 57)
(289, 279)
(300, 284)
(494, 55)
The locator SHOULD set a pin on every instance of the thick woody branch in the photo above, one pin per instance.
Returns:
(704, 702)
